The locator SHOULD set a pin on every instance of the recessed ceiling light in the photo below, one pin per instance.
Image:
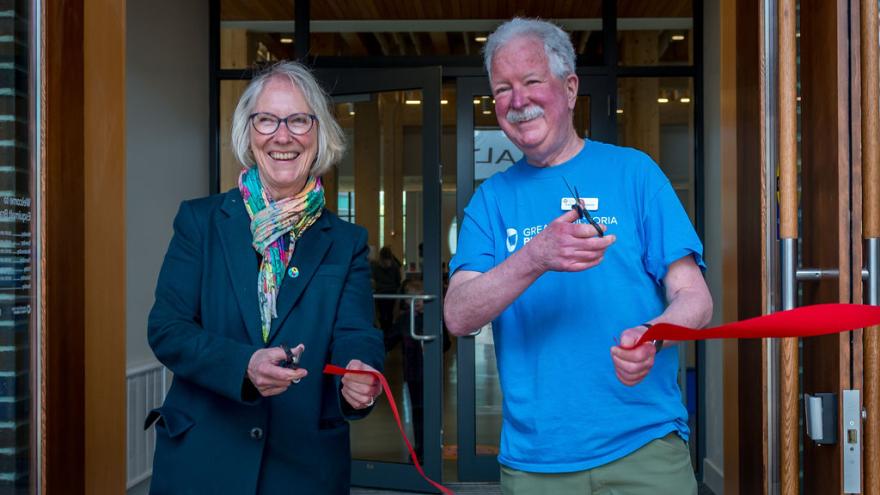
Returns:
(662, 100)
(685, 99)
(351, 113)
(444, 102)
(481, 39)
(487, 112)
(413, 102)
(619, 110)
(286, 40)
(677, 37)
(476, 102)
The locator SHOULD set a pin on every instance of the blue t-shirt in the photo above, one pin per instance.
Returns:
(564, 408)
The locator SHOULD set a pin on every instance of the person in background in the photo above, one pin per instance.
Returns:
(413, 360)
(386, 280)
(575, 246)
(250, 274)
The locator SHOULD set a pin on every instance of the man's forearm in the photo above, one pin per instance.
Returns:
(691, 307)
(472, 303)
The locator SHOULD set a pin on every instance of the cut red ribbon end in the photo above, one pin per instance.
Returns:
(806, 321)
(332, 369)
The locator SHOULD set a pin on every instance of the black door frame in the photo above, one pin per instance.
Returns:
(603, 127)
(340, 82)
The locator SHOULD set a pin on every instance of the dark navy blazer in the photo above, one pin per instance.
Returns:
(215, 434)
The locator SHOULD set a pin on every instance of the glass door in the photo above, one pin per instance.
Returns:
(483, 150)
(389, 182)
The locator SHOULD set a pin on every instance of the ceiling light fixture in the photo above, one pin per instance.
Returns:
(444, 102)
(481, 39)
(286, 40)
(413, 102)
(476, 101)
(677, 37)
(662, 100)
(685, 99)
(619, 110)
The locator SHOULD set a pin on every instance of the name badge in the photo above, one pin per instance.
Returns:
(591, 204)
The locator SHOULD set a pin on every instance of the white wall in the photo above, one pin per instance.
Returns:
(167, 79)
(166, 141)
(713, 465)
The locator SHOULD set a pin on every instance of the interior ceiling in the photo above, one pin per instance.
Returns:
(243, 10)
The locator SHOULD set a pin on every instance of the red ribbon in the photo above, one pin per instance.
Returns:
(332, 369)
(805, 321)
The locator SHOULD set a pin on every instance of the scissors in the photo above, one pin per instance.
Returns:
(292, 360)
(582, 212)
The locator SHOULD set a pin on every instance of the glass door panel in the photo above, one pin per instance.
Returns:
(389, 183)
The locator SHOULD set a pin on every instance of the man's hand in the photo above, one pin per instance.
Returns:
(565, 246)
(632, 366)
(360, 391)
(269, 378)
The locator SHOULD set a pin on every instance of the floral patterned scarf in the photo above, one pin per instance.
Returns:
(270, 220)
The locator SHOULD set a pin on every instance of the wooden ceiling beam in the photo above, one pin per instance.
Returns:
(440, 42)
(356, 46)
(417, 46)
(383, 43)
(401, 45)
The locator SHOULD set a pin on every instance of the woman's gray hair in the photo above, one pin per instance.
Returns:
(557, 44)
(331, 140)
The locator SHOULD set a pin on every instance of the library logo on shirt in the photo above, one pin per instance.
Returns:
(511, 240)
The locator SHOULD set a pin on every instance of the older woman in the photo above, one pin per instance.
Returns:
(260, 288)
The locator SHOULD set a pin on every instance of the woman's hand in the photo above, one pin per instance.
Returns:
(360, 391)
(269, 378)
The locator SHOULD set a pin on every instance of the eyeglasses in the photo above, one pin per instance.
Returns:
(582, 212)
(297, 123)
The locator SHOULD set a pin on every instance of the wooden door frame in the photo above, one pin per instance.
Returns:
(830, 96)
(83, 245)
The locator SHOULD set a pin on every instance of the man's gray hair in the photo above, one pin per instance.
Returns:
(331, 140)
(557, 44)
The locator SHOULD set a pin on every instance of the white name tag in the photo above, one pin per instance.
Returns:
(591, 204)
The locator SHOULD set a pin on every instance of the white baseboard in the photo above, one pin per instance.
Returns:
(713, 477)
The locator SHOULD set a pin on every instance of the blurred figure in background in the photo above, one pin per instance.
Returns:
(386, 280)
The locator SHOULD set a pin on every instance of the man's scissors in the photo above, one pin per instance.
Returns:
(582, 212)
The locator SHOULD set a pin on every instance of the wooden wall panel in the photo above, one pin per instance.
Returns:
(63, 244)
(84, 247)
(825, 183)
(104, 257)
(750, 258)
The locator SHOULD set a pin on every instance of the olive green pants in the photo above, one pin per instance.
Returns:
(662, 467)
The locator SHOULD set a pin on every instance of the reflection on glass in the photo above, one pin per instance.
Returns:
(17, 243)
(488, 394)
(230, 168)
(378, 186)
(254, 33)
(407, 38)
(655, 33)
(656, 115)
(661, 47)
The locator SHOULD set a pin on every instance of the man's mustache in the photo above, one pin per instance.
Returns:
(528, 113)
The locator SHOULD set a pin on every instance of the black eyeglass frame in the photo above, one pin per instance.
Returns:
(278, 120)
